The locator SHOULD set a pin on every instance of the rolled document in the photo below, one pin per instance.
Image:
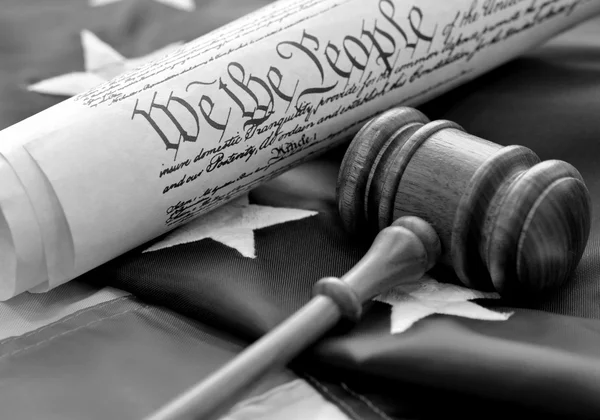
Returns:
(114, 167)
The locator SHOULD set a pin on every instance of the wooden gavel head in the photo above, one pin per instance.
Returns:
(506, 221)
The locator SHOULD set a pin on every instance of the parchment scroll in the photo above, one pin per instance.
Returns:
(112, 168)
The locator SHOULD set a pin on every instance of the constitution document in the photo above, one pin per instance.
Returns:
(114, 167)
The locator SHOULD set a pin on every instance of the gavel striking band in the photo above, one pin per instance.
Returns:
(506, 221)
(503, 220)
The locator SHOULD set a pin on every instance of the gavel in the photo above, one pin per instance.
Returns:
(430, 193)
(506, 221)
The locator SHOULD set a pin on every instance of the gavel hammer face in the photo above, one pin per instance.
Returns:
(506, 221)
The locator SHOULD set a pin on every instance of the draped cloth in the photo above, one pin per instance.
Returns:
(193, 306)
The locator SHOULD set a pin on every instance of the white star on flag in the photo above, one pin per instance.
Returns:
(187, 5)
(101, 62)
(232, 224)
(414, 301)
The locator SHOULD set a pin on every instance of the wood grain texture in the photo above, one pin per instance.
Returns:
(437, 166)
(518, 209)
(400, 253)
(506, 222)
(475, 215)
(357, 162)
(553, 236)
(384, 178)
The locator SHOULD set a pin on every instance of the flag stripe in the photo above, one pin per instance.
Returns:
(118, 359)
(28, 312)
(295, 400)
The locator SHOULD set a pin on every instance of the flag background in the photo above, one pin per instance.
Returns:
(195, 305)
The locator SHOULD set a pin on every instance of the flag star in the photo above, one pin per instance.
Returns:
(232, 224)
(187, 5)
(414, 301)
(101, 63)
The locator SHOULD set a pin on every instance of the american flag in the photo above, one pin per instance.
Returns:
(124, 339)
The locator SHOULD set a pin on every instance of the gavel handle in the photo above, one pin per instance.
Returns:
(401, 252)
(207, 399)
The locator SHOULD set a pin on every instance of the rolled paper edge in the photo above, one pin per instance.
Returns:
(21, 240)
(42, 288)
(56, 232)
(8, 260)
(43, 208)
